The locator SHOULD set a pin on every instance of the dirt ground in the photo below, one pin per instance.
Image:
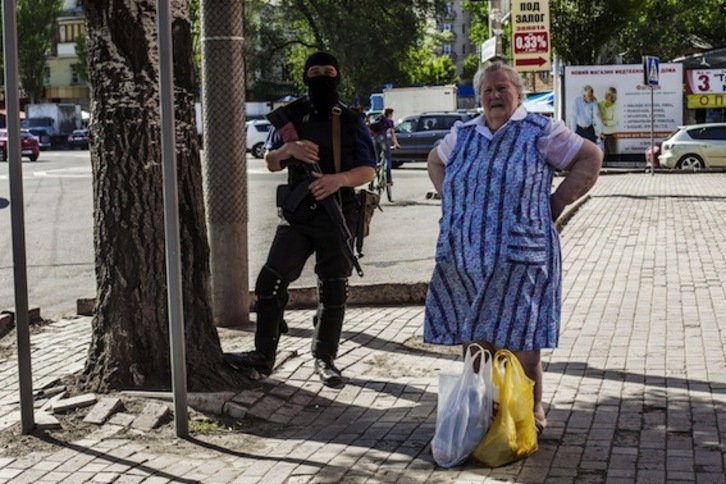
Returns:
(209, 428)
(205, 429)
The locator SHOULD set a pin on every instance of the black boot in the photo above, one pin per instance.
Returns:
(271, 300)
(327, 371)
(328, 326)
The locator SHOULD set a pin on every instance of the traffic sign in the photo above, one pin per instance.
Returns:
(531, 35)
(651, 70)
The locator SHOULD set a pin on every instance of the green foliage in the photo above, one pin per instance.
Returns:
(36, 29)
(424, 68)
(479, 12)
(82, 65)
(471, 65)
(701, 23)
(586, 31)
(368, 38)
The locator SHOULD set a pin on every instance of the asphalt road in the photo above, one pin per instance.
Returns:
(58, 212)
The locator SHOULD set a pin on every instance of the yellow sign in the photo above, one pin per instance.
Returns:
(703, 101)
(531, 35)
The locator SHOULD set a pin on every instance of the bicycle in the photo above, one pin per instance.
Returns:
(380, 180)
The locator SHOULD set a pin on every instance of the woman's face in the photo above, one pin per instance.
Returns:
(499, 97)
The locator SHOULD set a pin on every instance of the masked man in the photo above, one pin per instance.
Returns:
(315, 121)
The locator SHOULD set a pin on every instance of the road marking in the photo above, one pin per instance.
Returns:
(78, 172)
(85, 172)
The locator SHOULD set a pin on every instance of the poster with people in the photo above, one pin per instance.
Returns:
(610, 105)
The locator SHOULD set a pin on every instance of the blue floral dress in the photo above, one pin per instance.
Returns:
(498, 263)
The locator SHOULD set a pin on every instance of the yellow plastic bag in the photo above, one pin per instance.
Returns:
(512, 435)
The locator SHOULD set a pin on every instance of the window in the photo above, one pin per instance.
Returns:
(407, 125)
(448, 27)
(69, 32)
(76, 77)
(46, 75)
(714, 133)
(427, 124)
(447, 49)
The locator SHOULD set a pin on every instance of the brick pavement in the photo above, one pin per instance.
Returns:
(636, 392)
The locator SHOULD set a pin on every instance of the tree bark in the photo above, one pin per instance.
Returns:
(130, 342)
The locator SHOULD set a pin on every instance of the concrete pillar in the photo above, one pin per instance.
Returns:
(224, 158)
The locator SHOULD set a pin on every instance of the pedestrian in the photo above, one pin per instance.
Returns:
(384, 138)
(608, 117)
(310, 229)
(497, 279)
(586, 115)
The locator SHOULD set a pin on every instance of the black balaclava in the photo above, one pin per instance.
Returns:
(323, 90)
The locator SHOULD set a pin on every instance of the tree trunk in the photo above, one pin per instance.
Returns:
(130, 342)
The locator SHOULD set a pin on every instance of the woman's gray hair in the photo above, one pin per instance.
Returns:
(495, 66)
(613, 92)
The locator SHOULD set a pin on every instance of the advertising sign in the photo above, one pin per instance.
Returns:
(616, 104)
(531, 35)
(706, 88)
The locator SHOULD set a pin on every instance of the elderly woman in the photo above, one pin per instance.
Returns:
(497, 280)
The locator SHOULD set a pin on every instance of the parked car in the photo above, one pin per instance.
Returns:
(30, 146)
(419, 133)
(649, 156)
(78, 139)
(257, 132)
(695, 147)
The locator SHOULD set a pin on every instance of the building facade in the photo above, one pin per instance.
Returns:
(458, 23)
(64, 82)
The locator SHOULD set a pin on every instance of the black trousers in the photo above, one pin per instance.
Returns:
(295, 243)
(587, 132)
(291, 248)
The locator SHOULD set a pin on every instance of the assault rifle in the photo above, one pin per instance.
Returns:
(281, 119)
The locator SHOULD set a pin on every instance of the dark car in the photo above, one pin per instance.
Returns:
(78, 139)
(419, 133)
(29, 145)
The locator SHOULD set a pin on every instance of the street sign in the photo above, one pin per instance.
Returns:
(651, 70)
(531, 35)
(488, 49)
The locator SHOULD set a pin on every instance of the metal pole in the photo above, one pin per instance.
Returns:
(15, 172)
(652, 133)
(171, 217)
(495, 26)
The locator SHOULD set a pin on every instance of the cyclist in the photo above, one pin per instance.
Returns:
(383, 139)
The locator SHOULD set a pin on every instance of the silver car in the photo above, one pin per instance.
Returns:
(695, 147)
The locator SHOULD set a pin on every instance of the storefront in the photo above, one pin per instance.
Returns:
(705, 86)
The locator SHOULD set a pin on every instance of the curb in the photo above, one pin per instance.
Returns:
(388, 294)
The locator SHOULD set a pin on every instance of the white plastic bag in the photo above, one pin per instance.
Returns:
(464, 410)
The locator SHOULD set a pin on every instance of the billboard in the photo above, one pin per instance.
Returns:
(706, 88)
(611, 105)
(531, 35)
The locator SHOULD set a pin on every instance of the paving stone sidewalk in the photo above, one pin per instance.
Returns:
(636, 391)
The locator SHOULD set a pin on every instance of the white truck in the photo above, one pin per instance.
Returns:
(414, 100)
(52, 123)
